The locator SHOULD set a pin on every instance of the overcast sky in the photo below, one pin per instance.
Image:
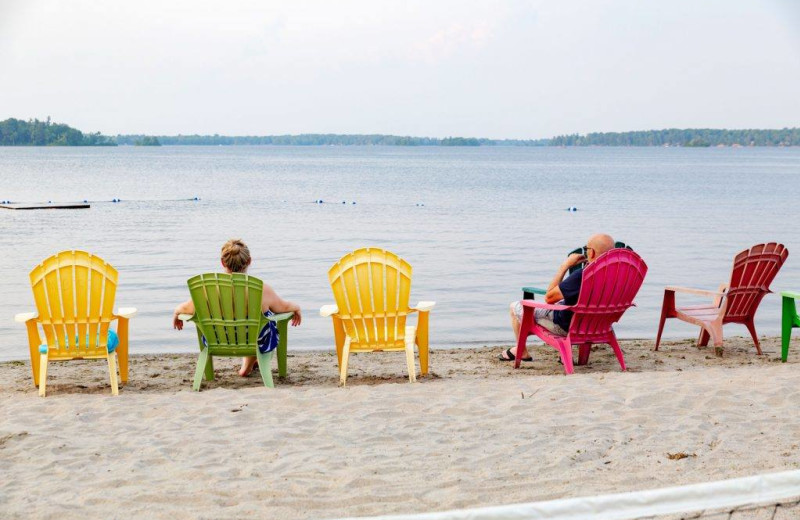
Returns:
(516, 69)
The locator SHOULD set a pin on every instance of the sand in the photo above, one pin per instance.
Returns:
(473, 433)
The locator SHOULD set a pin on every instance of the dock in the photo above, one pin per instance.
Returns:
(46, 206)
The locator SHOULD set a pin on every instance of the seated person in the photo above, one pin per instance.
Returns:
(562, 291)
(235, 258)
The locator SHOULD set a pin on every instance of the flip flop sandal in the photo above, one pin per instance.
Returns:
(511, 356)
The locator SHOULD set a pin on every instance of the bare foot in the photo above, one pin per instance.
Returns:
(248, 365)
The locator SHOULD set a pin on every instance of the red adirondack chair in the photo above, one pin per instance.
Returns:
(607, 290)
(734, 302)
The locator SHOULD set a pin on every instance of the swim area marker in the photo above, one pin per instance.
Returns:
(84, 204)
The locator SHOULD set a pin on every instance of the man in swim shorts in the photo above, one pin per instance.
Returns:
(562, 291)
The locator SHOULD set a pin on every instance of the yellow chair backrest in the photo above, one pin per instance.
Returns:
(74, 293)
(371, 287)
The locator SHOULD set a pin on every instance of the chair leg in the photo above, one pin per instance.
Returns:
(42, 374)
(667, 308)
(522, 350)
(339, 338)
(208, 373)
(566, 358)
(34, 342)
(618, 351)
(422, 342)
(345, 360)
(660, 329)
(423, 359)
(702, 339)
(787, 322)
(201, 367)
(122, 349)
(524, 332)
(112, 372)
(265, 368)
(752, 328)
(715, 330)
(283, 330)
(583, 353)
(412, 369)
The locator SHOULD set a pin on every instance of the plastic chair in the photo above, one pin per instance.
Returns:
(74, 293)
(608, 287)
(228, 319)
(734, 302)
(371, 287)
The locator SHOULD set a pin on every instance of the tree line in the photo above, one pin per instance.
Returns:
(326, 140)
(691, 137)
(16, 132)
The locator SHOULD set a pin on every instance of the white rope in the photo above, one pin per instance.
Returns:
(706, 496)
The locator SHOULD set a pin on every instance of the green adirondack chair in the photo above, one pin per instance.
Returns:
(789, 321)
(529, 292)
(228, 315)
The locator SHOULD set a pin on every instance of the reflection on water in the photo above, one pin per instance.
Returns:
(476, 224)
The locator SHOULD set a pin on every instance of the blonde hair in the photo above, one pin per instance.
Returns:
(235, 255)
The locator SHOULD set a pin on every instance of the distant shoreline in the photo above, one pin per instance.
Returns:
(15, 132)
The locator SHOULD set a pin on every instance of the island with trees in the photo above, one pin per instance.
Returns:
(16, 132)
(691, 137)
(147, 140)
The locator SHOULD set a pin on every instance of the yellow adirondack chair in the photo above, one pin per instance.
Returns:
(74, 294)
(371, 287)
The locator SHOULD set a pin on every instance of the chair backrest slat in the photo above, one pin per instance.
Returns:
(608, 288)
(227, 309)
(753, 271)
(371, 287)
(74, 293)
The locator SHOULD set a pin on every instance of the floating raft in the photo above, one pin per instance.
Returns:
(46, 206)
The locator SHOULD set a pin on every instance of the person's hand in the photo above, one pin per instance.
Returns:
(177, 323)
(297, 318)
(574, 259)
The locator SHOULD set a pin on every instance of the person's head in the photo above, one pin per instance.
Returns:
(597, 245)
(235, 256)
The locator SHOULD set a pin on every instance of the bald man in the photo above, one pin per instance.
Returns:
(563, 291)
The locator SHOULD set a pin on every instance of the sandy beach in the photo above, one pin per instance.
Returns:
(473, 433)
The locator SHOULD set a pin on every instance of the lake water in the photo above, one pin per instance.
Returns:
(493, 219)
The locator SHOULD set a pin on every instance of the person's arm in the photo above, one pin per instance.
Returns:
(186, 307)
(271, 301)
(553, 290)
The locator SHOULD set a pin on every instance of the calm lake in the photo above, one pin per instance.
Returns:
(475, 223)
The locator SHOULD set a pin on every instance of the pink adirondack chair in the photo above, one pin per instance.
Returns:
(607, 290)
(734, 302)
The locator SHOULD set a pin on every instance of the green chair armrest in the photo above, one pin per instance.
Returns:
(528, 292)
(791, 294)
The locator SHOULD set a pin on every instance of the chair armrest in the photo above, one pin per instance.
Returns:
(787, 294)
(280, 317)
(534, 290)
(126, 312)
(186, 317)
(541, 305)
(698, 292)
(25, 316)
(424, 306)
(328, 310)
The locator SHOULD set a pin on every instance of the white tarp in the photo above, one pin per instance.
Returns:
(706, 496)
